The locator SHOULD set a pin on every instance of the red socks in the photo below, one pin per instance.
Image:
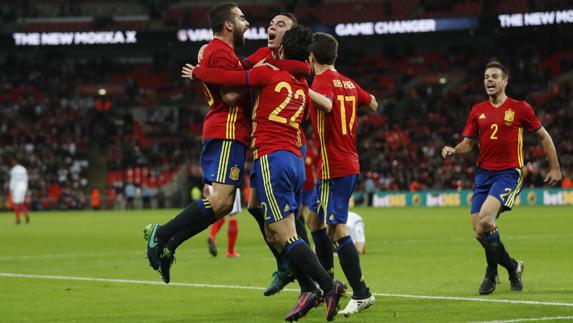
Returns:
(232, 232)
(215, 227)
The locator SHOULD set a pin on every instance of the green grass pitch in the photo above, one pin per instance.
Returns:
(423, 264)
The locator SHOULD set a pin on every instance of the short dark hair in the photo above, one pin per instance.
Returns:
(494, 63)
(297, 42)
(219, 14)
(291, 16)
(324, 48)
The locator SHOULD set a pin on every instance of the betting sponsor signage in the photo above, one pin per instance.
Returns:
(539, 196)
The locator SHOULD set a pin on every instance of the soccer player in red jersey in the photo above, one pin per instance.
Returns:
(335, 133)
(497, 126)
(279, 168)
(226, 135)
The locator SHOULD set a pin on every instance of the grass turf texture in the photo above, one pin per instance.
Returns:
(427, 252)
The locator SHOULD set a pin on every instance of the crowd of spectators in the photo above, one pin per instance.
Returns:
(73, 122)
(400, 149)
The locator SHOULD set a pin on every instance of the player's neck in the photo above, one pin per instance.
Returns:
(497, 100)
(227, 39)
(320, 68)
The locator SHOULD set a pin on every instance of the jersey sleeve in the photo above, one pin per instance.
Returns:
(323, 86)
(296, 68)
(252, 78)
(530, 120)
(471, 129)
(219, 76)
(255, 57)
(223, 60)
(364, 98)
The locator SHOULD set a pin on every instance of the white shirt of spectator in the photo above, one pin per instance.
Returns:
(18, 183)
(355, 227)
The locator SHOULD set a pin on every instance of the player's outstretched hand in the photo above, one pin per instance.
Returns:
(448, 152)
(187, 71)
(553, 177)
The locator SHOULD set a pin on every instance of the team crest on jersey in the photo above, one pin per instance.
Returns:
(234, 173)
(482, 116)
(509, 116)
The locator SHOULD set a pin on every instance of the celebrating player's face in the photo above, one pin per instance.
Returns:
(276, 30)
(240, 25)
(494, 81)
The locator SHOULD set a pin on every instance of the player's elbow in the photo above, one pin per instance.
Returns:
(327, 106)
(373, 106)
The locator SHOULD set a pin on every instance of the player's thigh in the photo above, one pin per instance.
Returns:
(277, 178)
(223, 198)
(279, 232)
(482, 185)
(488, 212)
(506, 187)
(337, 231)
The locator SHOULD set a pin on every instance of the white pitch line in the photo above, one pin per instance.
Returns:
(476, 299)
(147, 282)
(546, 318)
(64, 255)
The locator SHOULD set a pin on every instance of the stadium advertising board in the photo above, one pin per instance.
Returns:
(552, 196)
(75, 38)
(204, 34)
(404, 26)
(536, 18)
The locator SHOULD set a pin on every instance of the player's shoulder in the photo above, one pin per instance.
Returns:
(328, 78)
(480, 106)
(218, 48)
(264, 52)
(520, 104)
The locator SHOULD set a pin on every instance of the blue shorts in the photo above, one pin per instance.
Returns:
(307, 196)
(278, 179)
(222, 161)
(331, 198)
(504, 185)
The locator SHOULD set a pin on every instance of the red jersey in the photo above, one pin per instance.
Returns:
(336, 131)
(254, 58)
(500, 132)
(222, 121)
(296, 68)
(278, 109)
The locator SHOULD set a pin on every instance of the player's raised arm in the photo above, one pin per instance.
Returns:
(320, 101)
(373, 105)
(464, 147)
(554, 174)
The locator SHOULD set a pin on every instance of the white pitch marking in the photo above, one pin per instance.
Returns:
(147, 282)
(546, 318)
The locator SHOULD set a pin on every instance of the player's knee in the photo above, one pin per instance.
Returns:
(486, 224)
(222, 204)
